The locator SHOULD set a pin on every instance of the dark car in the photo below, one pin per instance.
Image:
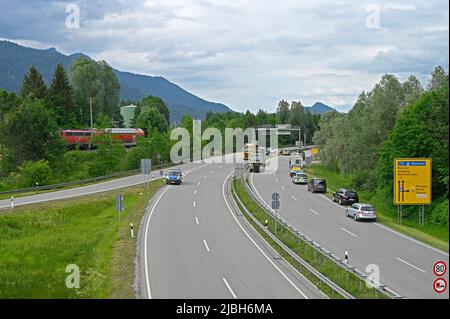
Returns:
(317, 185)
(345, 196)
(174, 176)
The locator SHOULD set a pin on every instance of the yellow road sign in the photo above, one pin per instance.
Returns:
(315, 150)
(412, 181)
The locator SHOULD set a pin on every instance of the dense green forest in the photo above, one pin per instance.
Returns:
(392, 120)
(31, 150)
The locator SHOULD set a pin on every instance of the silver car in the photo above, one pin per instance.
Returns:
(361, 211)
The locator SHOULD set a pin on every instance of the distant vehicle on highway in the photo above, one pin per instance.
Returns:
(174, 176)
(345, 196)
(317, 185)
(285, 152)
(272, 150)
(300, 178)
(361, 211)
(295, 169)
(249, 150)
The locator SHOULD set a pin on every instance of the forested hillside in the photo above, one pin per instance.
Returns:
(392, 120)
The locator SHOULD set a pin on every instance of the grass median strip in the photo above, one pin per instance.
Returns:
(38, 242)
(334, 272)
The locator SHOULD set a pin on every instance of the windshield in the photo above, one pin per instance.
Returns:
(368, 208)
(301, 175)
(320, 182)
(348, 193)
(174, 173)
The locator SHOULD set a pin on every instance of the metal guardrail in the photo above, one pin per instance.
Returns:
(79, 182)
(382, 289)
(293, 255)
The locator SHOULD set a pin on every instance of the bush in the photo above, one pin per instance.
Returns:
(439, 213)
(365, 180)
(35, 172)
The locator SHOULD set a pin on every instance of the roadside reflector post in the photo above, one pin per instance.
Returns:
(12, 201)
(132, 230)
(266, 223)
(346, 257)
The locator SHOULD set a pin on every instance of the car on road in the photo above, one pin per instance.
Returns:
(295, 169)
(361, 211)
(345, 196)
(285, 152)
(272, 150)
(317, 185)
(300, 178)
(174, 176)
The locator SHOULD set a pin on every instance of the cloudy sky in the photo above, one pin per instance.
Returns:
(246, 54)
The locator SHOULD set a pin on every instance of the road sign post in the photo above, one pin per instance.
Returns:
(119, 206)
(146, 169)
(412, 185)
(275, 207)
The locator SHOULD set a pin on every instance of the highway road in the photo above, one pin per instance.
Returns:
(92, 189)
(194, 244)
(406, 265)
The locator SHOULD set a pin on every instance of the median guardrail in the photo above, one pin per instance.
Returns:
(380, 290)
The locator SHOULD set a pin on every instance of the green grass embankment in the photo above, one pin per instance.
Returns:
(38, 241)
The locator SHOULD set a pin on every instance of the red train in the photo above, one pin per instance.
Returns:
(83, 138)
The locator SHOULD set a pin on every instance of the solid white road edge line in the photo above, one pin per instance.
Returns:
(229, 288)
(149, 293)
(411, 239)
(410, 265)
(256, 245)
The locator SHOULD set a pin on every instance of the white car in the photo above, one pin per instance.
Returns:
(361, 211)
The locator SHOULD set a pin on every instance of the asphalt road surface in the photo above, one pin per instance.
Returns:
(194, 244)
(92, 189)
(406, 265)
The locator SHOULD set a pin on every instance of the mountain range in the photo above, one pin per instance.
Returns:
(319, 108)
(15, 60)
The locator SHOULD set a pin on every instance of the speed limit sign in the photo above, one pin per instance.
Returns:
(440, 268)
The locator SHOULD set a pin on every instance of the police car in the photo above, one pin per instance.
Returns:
(300, 178)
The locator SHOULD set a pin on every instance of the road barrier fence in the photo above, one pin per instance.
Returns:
(291, 232)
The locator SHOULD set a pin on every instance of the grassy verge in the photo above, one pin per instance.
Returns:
(434, 235)
(37, 242)
(337, 274)
(155, 171)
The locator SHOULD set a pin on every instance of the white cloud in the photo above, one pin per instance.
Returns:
(247, 54)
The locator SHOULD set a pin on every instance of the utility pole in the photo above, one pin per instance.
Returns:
(90, 107)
